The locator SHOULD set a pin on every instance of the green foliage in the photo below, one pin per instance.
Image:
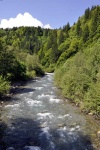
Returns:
(33, 65)
(61, 37)
(50, 69)
(92, 99)
(31, 74)
(4, 86)
(79, 78)
(85, 33)
(66, 29)
(87, 14)
(10, 67)
(6, 59)
(16, 64)
(18, 72)
(78, 28)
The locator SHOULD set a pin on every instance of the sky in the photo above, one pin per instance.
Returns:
(43, 13)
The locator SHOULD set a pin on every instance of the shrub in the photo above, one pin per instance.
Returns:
(4, 86)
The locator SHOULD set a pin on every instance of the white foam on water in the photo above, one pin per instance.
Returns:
(12, 128)
(43, 125)
(64, 128)
(61, 117)
(45, 133)
(31, 92)
(72, 129)
(38, 88)
(8, 106)
(34, 102)
(39, 81)
(61, 129)
(44, 85)
(36, 80)
(70, 133)
(61, 134)
(43, 95)
(14, 105)
(32, 148)
(67, 115)
(54, 100)
(77, 127)
(28, 99)
(40, 96)
(44, 115)
(9, 116)
(44, 130)
(52, 145)
(50, 79)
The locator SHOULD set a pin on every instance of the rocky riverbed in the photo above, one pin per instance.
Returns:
(38, 118)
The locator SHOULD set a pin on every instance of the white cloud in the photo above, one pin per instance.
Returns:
(47, 26)
(22, 20)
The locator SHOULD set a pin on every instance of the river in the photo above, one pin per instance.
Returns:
(38, 118)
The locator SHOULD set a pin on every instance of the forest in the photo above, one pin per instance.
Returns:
(71, 52)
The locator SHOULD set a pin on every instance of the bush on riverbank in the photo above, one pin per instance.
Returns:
(79, 78)
(4, 86)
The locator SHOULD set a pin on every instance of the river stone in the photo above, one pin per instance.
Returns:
(31, 148)
(10, 148)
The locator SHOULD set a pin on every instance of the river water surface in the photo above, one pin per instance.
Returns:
(38, 116)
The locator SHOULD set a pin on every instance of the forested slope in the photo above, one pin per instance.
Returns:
(73, 52)
(79, 76)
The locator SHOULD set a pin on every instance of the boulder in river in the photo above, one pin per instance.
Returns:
(31, 148)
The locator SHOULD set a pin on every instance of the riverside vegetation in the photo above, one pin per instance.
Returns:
(72, 52)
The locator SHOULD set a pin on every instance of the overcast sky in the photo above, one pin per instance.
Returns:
(44, 13)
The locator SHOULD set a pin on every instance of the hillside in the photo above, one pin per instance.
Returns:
(79, 74)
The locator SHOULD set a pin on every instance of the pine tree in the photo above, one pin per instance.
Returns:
(87, 14)
(61, 37)
(78, 27)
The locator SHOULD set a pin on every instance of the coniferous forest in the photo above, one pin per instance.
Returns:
(71, 52)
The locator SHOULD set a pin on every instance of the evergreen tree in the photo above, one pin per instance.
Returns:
(87, 14)
(78, 28)
(61, 37)
(66, 29)
(85, 33)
